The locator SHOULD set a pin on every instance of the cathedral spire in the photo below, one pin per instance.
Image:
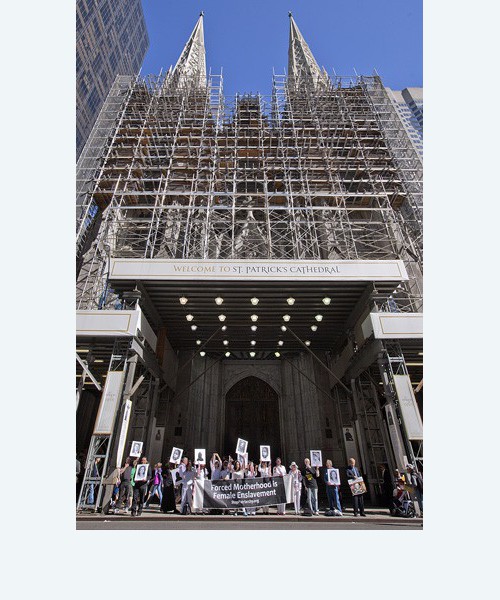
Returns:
(191, 66)
(302, 66)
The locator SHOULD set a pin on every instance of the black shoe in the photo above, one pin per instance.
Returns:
(363, 515)
(355, 514)
(134, 514)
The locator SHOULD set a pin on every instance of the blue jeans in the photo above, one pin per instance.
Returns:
(90, 497)
(312, 499)
(157, 489)
(333, 497)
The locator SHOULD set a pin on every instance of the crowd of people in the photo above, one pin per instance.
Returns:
(137, 483)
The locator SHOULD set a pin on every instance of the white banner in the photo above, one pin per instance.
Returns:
(395, 435)
(409, 409)
(109, 402)
(123, 432)
(265, 270)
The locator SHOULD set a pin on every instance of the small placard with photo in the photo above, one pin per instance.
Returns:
(241, 446)
(141, 472)
(265, 454)
(176, 455)
(316, 458)
(243, 458)
(333, 477)
(357, 486)
(136, 449)
(200, 456)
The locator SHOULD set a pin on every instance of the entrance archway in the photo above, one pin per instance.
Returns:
(252, 413)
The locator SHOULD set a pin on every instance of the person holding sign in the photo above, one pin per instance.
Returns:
(280, 471)
(353, 473)
(265, 471)
(141, 479)
(296, 486)
(309, 476)
(332, 481)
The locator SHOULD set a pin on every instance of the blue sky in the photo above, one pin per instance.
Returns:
(247, 38)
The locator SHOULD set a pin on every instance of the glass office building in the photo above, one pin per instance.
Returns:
(111, 39)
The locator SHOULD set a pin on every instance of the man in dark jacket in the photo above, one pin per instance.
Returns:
(352, 473)
(143, 472)
(125, 487)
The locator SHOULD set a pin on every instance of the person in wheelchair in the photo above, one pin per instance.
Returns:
(402, 505)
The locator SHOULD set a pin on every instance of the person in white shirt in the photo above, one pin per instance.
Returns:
(265, 471)
(296, 486)
(187, 479)
(238, 472)
(279, 471)
(215, 466)
(200, 474)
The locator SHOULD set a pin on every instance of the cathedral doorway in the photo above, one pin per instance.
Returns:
(252, 413)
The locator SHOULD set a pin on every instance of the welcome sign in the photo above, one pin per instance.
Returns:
(156, 269)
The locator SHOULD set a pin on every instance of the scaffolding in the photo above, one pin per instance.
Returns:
(311, 172)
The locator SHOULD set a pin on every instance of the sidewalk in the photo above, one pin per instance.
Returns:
(373, 515)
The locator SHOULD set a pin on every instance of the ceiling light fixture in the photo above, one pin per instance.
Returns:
(224, 327)
(308, 343)
(222, 317)
(254, 318)
(202, 353)
(225, 342)
(183, 300)
(198, 342)
(82, 350)
(254, 301)
(420, 353)
(252, 354)
(194, 327)
(228, 354)
(291, 301)
(286, 318)
(277, 354)
(314, 327)
(326, 301)
(98, 360)
(253, 342)
(283, 328)
(319, 317)
(280, 342)
(219, 300)
(253, 327)
(189, 317)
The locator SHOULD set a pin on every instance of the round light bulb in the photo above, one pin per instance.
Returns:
(253, 327)
(253, 342)
(228, 354)
(277, 354)
(225, 342)
(308, 343)
(252, 354)
(314, 327)
(326, 301)
(194, 327)
(291, 301)
(189, 317)
(202, 353)
(254, 318)
(183, 300)
(222, 317)
(280, 342)
(224, 327)
(319, 317)
(219, 300)
(283, 328)
(286, 318)
(198, 342)
(254, 301)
